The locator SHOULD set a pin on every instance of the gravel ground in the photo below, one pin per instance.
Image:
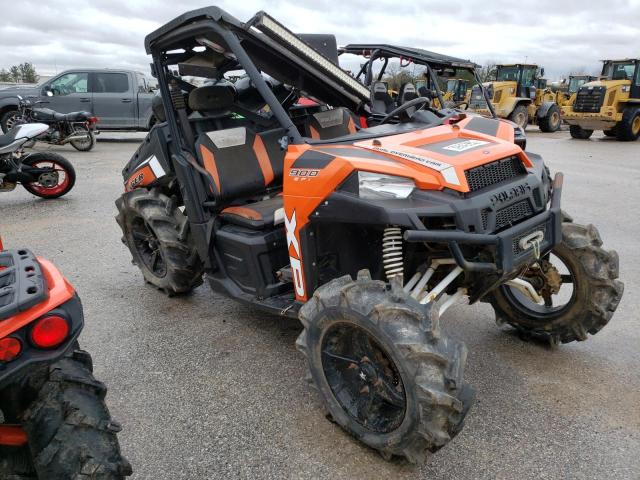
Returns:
(206, 388)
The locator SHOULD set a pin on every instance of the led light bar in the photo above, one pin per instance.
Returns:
(280, 33)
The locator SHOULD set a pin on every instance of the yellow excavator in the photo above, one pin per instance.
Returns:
(611, 104)
(520, 95)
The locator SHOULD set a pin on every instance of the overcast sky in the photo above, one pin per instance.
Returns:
(565, 36)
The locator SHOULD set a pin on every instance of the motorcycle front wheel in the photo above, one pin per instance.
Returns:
(85, 144)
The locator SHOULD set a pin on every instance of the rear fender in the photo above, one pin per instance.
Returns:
(150, 163)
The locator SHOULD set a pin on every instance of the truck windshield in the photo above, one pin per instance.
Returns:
(619, 70)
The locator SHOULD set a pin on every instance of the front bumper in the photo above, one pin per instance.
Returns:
(605, 119)
(509, 257)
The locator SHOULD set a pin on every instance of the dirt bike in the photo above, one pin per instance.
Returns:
(54, 423)
(44, 174)
(76, 128)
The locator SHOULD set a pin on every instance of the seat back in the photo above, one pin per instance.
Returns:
(330, 124)
(381, 101)
(407, 92)
(241, 162)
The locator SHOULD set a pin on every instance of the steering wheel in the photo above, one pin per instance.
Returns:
(422, 101)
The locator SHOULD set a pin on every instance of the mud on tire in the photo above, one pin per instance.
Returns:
(70, 431)
(429, 364)
(157, 214)
(596, 291)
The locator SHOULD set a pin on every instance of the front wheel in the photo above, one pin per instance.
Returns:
(520, 116)
(9, 119)
(385, 372)
(55, 175)
(85, 144)
(576, 131)
(70, 433)
(551, 121)
(579, 286)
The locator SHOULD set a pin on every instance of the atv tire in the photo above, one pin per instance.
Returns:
(520, 116)
(70, 432)
(551, 121)
(628, 129)
(167, 260)
(427, 367)
(577, 132)
(596, 291)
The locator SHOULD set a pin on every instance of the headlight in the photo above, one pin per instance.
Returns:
(379, 186)
(626, 88)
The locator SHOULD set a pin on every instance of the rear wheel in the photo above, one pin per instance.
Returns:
(69, 429)
(157, 234)
(580, 133)
(578, 282)
(384, 371)
(628, 129)
(86, 144)
(57, 178)
(552, 120)
(520, 116)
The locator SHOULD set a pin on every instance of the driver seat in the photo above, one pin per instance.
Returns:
(381, 101)
(407, 92)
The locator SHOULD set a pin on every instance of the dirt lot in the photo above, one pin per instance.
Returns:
(206, 388)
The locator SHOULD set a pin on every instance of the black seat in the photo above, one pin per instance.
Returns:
(242, 162)
(8, 138)
(407, 92)
(330, 124)
(257, 215)
(381, 101)
(48, 115)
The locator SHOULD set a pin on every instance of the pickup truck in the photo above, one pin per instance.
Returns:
(121, 99)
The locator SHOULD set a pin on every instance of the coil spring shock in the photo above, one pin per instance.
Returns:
(392, 252)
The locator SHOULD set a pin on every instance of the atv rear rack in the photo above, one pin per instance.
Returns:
(22, 284)
(507, 242)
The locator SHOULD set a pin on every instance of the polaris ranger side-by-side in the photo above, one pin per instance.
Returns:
(289, 191)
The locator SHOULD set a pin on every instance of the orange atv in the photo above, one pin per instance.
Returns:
(54, 423)
(365, 221)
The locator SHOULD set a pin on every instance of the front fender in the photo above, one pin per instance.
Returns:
(544, 109)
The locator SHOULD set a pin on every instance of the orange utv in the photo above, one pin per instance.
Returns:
(291, 186)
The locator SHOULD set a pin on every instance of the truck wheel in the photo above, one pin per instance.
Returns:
(157, 234)
(86, 144)
(628, 129)
(385, 372)
(520, 116)
(551, 121)
(578, 132)
(8, 120)
(578, 284)
(69, 429)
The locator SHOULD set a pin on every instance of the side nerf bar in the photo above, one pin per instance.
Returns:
(551, 219)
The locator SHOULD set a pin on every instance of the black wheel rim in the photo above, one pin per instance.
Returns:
(147, 246)
(363, 378)
(554, 304)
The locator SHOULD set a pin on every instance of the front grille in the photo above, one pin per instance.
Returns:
(513, 213)
(515, 244)
(494, 172)
(589, 99)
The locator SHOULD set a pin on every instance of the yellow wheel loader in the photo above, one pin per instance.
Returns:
(611, 104)
(521, 96)
(567, 97)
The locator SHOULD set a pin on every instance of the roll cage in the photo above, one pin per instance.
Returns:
(433, 62)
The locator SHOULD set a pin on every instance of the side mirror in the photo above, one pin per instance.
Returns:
(542, 71)
(47, 91)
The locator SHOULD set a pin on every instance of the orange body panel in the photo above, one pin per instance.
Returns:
(140, 178)
(12, 436)
(60, 291)
(303, 194)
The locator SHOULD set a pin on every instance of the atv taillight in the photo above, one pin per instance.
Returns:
(92, 120)
(49, 331)
(10, 348)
